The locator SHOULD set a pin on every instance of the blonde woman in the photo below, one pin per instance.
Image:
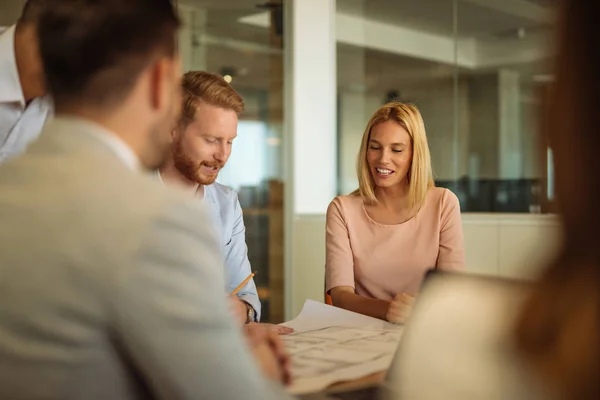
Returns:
(382, 238)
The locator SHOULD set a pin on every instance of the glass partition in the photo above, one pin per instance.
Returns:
(475, 69)
(242, 41)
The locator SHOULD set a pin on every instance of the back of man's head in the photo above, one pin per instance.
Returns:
(115, 62)
(31, 11)
(93, 50)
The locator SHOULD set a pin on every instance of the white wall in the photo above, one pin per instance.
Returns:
(309, 262)
(504, 245)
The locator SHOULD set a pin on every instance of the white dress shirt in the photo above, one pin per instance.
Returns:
(20, 123)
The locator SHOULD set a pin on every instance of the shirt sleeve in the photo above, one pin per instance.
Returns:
(170, 316)
(237, 265)
(339, 262)
(451, 254)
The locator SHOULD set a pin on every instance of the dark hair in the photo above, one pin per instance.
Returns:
(93, 50)
(31, 11)
(558, 332)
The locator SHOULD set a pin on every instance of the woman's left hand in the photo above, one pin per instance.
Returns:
(400, 308)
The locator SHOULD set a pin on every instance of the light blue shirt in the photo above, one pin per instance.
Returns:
(226, 212)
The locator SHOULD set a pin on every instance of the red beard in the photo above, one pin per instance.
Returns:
(190, 169)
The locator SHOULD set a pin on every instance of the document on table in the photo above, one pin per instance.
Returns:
(330, 345)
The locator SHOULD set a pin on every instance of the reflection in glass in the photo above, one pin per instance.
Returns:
(475, 70)
(243, 43)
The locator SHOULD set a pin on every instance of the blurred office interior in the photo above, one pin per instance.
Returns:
(313, 71)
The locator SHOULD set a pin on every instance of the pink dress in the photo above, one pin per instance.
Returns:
(380, 261)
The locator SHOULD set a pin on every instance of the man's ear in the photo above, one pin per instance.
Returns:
(159, 83)
(174, 134)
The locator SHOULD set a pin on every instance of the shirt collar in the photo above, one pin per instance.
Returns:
(118, 146)
(108, 138)
(10, 84)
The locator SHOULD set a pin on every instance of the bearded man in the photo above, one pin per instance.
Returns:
(202, 141)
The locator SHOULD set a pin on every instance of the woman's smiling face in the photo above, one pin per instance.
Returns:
(389, 154)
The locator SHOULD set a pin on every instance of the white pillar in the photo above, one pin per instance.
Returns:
(199, 23)
(509, 117)
(310, 78)
(186, 47)
(191, 47)
(310, 126)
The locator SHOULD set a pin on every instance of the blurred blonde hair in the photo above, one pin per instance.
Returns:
(420, 174)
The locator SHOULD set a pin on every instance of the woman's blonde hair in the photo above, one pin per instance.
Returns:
(420, 175)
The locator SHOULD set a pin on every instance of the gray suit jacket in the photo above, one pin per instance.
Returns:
(109, 286)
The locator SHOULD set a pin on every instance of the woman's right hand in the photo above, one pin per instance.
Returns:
(400, 308)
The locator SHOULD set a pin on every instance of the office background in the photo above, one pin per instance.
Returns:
(313, 71)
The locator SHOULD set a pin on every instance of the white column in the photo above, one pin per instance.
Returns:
(192, 48)
(186, 47)
(509, 117)
(199, 21)
(310, 69)
(310, 132)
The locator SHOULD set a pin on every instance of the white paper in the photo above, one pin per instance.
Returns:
(316, 315)
(331, 345)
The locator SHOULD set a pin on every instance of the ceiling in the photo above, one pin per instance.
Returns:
(475, 18)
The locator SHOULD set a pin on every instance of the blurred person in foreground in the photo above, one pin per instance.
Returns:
(24, 103)
(473, 337)
(559, 329)
(110, 284)
(202, 143)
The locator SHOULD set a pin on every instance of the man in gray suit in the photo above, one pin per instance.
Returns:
(109, 286)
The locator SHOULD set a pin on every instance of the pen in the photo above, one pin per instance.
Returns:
(237, 289)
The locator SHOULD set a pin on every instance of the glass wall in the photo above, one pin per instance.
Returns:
(242, 41)
(10, 10)
(475, 69)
